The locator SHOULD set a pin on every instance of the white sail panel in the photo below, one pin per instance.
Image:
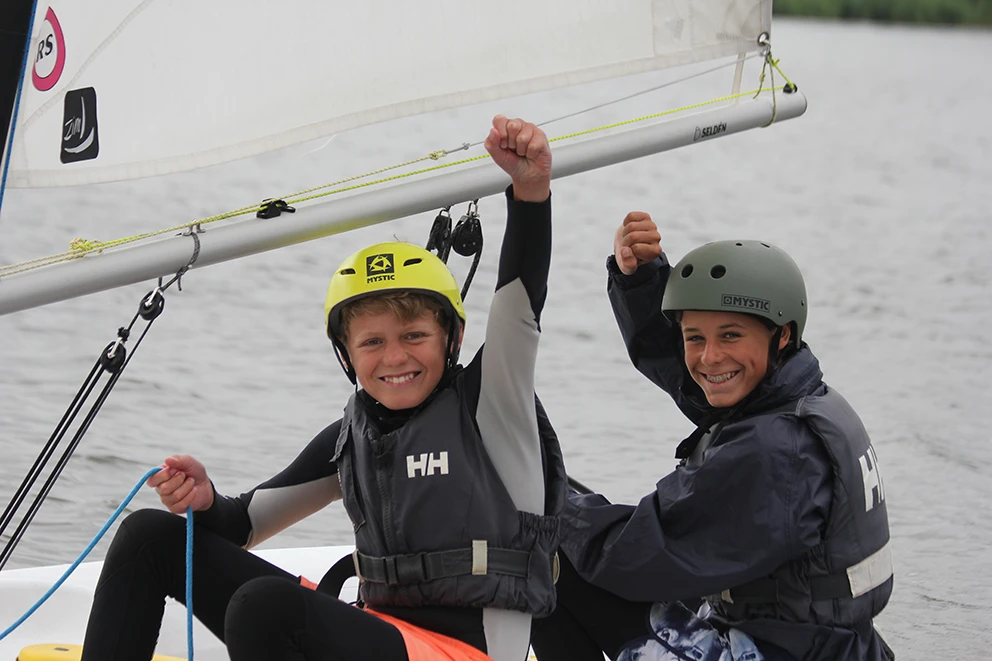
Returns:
(123, 89)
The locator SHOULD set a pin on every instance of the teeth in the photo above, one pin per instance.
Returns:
(721, 378)
(399, 379)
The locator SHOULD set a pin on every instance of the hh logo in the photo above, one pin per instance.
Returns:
(80, 141)
(426, 464)
(873, 481)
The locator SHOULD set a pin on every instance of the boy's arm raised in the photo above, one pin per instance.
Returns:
(506, 413)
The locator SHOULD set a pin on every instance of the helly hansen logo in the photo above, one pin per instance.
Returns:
(745, 303)
(426, 464)
(874, 492)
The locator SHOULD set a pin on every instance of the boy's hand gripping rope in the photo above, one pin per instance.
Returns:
(96, 539)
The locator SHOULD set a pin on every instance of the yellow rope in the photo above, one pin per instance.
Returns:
(81, 247)
(769, 61)
(774, 63)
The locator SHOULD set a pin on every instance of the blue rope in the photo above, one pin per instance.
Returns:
(17, 102)
(189, 583)
(96, 540)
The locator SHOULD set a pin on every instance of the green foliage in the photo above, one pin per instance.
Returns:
(902, 11)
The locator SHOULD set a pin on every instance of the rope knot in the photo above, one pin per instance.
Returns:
(83, 245)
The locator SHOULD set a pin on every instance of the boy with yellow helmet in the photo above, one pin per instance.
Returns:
(452, 476)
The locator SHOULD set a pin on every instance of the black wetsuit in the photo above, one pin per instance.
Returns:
(237, 594)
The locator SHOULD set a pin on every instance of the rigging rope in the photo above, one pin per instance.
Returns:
(113, 359)
(81, 247)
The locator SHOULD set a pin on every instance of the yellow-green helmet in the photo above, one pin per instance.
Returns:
(386, 267)
(752, 277)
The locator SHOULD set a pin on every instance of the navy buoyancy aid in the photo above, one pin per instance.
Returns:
(847, 579)
(434, 524)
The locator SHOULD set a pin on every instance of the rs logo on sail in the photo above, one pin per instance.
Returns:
(709, 131)
(50, 61)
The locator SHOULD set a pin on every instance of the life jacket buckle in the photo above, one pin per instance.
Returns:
(480, 557)
(358, 568)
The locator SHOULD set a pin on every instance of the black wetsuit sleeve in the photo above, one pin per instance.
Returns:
(654, 343)
(503, 373)
(749, 508)
(526, 251)
(308, 484)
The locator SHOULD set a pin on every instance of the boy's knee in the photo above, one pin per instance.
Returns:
(259, 602)
(144, 527)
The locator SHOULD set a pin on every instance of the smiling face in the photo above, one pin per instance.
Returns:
(726, 353)
(397, 361)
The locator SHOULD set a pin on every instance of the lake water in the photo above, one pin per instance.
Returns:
(880, 192)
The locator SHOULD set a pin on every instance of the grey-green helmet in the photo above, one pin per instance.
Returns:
(752, 277)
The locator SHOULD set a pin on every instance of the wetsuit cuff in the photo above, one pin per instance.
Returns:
(510, 200)
(643, 274)
(226, 517)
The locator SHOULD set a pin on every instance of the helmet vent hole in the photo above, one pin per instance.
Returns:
(739, 244)
(765, 244)
(718, 271)
(687, 270)
(346, 272)
(412, 261)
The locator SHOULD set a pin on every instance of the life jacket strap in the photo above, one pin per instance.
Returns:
(477, 560)
(854, 581)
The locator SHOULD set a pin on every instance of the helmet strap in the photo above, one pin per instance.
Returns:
(342, 355)
(773, 352)
(453, 347)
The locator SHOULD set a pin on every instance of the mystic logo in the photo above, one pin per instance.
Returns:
(745, 302)
(80, 141)
(49, 54)
(379, 268)
(709, 131)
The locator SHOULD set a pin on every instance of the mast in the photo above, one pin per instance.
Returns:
(98, 272)
(15, 32)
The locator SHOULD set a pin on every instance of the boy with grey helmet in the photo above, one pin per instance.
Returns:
(772, 532)
(747, 276)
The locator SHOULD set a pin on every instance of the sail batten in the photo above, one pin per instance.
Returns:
(137, 89)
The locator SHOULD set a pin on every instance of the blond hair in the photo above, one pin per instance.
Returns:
(405, 305)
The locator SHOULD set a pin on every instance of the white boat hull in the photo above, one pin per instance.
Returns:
(62, 619)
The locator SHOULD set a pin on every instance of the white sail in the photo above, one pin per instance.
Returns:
(124, 88)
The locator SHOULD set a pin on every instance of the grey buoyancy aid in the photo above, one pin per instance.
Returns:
(847, 579)
(434, 524)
